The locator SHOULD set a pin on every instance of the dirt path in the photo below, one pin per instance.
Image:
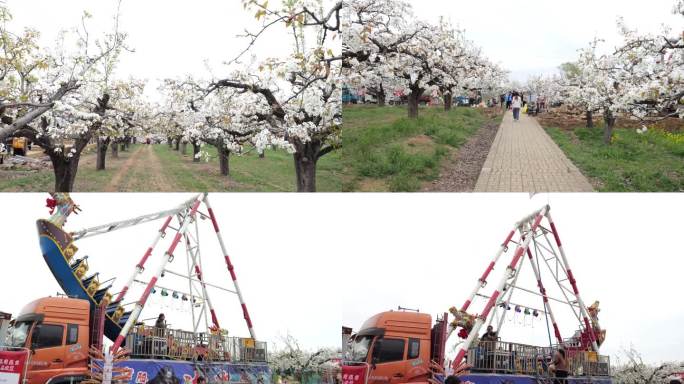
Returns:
(141, 172)
(462, 170)
(157, 179)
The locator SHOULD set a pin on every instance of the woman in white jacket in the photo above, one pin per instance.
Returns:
(516, 104)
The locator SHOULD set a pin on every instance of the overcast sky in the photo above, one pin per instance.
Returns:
(533, 36)
(426, 252)
(176, 37)
(289, 282)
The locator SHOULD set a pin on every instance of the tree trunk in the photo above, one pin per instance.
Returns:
(381, 98)
(100, 163)
(177, 144)
(609, 120)
(115, 150)
(169, 141)
(590, 119)
(448, 102)
(195, 153)
(262, 155)
(224, 158)
(184, 148)
(305, 165)
(413, 99)
(65, 172)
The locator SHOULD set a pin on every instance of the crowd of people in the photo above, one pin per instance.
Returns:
(521, 101)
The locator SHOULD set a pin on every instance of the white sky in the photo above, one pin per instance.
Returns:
(171, 38)
(427, 251)
(536, 36)
(287, 286)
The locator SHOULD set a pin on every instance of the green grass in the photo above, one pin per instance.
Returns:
(87, 178)
(387, 151)
(274, 173)
(651, 162)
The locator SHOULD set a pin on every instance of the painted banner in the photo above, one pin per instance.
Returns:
(187, 372)
(354, 374)
(523, 379)
(12, 366)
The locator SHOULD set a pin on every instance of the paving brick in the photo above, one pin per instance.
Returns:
(524, 158)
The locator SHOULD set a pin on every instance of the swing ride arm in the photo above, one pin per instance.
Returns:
(495, 299)
(168, 257)
(110, 227)
(231, 269)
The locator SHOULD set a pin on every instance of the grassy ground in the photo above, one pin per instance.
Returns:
(87, 178)
(248, 172)
(633, 162)
(383, 150)
(160, 168)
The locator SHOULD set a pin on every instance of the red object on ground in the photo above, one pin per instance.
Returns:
(354, 374)
(12, 366)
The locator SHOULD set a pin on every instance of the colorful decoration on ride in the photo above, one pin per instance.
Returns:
(599, 333)
(463, 320)
(98, 372)
(593, 313)
(61, 206)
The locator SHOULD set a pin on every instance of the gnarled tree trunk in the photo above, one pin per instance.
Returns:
(590, 119)
(413, 99)
(115, 149)
(177, 145)
(65, 172)
(382, 97)
(305, 160)
(100, 162)
(169, 141)
(448, 101)
(195, 152)
(224, 158)
(184, 148)
(609, 120)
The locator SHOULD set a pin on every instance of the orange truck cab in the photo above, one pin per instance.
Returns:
(399, 346)
(56, 331)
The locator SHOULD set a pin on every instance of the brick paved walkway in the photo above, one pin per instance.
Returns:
(523, 158)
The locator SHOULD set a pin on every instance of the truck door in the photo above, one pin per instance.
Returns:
(47, 359)
(388, 364)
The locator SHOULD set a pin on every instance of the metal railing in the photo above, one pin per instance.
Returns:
(521, 359)
(161, 343)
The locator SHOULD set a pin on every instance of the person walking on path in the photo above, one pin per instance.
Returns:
(508, 101)
(516, 104)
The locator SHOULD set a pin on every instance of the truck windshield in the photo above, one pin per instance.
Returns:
(360, 348)
(18, 334)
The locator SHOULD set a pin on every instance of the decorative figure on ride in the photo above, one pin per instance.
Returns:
(593, 314)
(61, 206)
(462, 319)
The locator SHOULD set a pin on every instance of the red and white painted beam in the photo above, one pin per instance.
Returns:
(573, 282)
(231, 269)
(482, 280)
(141, 264)
(167, 259)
